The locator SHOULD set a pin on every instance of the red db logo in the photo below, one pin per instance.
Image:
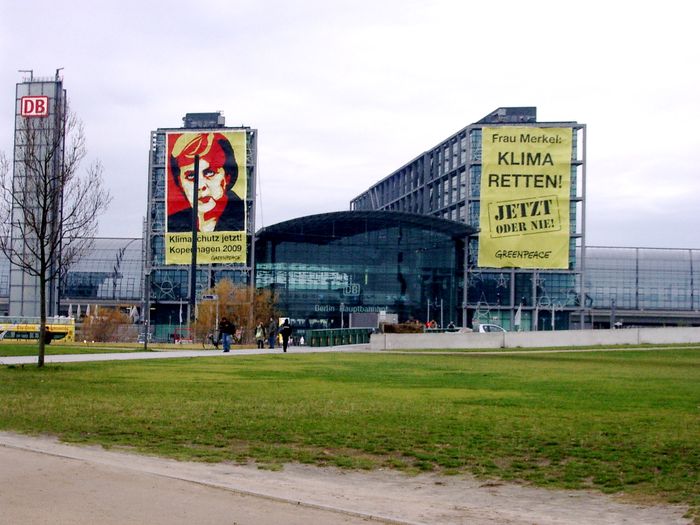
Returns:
(34, 106)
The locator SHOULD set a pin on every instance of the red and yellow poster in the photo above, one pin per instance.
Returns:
(220, 195)
(525, 194)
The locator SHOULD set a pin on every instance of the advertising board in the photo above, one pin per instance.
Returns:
(525, 196)
(220, 194)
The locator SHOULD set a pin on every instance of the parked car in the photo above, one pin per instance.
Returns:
(484, 328)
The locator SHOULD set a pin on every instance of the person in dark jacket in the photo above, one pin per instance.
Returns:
(271, 332)
(285, 332)
(226, 331)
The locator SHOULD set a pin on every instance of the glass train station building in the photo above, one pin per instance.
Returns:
(406, 249)
(355, 267)
(445, 182)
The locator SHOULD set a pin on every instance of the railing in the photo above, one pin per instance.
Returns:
(337, 337)
(37, 320)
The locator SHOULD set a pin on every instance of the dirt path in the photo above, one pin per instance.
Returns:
(44, 481)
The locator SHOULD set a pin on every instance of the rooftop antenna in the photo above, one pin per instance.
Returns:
(57, 70)
(30, 71)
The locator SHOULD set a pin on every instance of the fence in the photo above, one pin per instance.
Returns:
(337, 337)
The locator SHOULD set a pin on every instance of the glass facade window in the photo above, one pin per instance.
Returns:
(159, 152)
(475, 144)
(169, 284)
(649, 286)
(158, 183)
(158, 217)
(454, 189)
(475, 181)
(158, 249)
(664, 279)
(111, 270)
(109, 273)
(361, 263)
(524, 289)
(5, 282)
(473, 217)
(643, 278)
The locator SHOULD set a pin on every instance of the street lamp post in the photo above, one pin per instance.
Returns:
(193, 264)
(613, 308)
(146, 308)
(213, 297)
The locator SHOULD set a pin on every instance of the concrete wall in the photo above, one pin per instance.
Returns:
(572, 338)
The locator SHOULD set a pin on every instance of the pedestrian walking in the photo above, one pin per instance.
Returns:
(226, 331)
(260, 335)
(285, 332)
(271, 332)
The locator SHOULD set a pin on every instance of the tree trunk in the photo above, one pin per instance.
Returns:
(42, 319)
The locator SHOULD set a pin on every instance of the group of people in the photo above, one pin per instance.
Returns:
(433, 324)
(270, 333)
(227, 330)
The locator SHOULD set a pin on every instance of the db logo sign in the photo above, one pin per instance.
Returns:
(352, 289)
(34, 106)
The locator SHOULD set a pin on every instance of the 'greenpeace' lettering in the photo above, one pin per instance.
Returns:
(523, 254)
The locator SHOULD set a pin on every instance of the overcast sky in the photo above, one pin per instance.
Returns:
(345, 92)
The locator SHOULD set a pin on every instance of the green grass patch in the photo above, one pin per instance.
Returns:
(617, 421)
(32, 349)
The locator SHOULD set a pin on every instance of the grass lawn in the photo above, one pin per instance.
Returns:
(617, 421)
(32, 349)
(11, 348)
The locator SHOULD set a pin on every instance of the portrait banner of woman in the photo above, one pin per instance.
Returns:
(220, 195)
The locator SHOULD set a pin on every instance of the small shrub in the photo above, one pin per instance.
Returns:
(403, 328)
(111, 325)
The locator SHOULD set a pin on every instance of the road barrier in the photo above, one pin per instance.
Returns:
(559, 338)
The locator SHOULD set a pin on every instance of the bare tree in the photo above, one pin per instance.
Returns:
(234, 302)
(48, 212)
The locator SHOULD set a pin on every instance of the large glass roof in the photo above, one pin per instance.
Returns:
(325, 227)
(111, 269)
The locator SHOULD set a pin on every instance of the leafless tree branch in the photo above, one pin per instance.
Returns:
(48, 209)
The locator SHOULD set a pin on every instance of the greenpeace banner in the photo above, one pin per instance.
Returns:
(525, 189)
(220, 196)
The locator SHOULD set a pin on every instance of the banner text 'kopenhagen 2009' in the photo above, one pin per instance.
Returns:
(211, 247)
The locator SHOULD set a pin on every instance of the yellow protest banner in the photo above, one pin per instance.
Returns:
(525, 194)
(212, 247)
(220, 196)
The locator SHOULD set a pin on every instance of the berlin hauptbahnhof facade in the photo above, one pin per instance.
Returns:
(404, 251)
(349, 268)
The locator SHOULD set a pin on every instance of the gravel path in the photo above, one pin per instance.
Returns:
(43, 481)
